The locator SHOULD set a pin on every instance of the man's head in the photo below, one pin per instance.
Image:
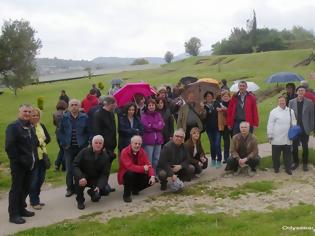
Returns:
(208, 96)
(282, 102)
(244, 127)
(136, 142)
(25, 112)
(179, 137)
(94, 86)
(92, 92)
(109, 103)
(242, 86)
(290, 87)
(97, 143)
(63, 92)
(74, 106)
(305, 84)
(300, 91)
(224, 81)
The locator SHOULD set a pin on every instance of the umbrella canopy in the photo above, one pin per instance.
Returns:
(128, 91)
(187, 80)
(200, 87)
(116, 81)
(251, 87)
(284, 77)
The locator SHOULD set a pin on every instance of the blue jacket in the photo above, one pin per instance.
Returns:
(126, 131)
(83, 131)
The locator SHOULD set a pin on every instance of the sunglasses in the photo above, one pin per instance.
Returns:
(179, 136)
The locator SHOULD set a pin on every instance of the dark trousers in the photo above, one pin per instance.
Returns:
(215, 144)
(226, 135)
(236, 127)
(303, 139)
(286, 153)
(70, 154)
(135, 182)
(60, 160)
(232, 164)
(184, 174)
(37, 180)
(92, 184)
(198, 168)
(19, 189)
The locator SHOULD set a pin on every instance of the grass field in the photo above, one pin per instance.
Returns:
(156, 223)
(251, 67)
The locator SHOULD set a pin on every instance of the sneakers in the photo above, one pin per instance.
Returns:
(251, 172)
(218, 165)
(69, 193)
(213, 163)
(81, 205)
(37, 207)
(127, 199)
(17, 220)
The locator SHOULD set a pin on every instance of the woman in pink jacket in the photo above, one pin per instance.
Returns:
(152, 137)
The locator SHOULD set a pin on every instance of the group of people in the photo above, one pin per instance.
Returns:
(150, 148)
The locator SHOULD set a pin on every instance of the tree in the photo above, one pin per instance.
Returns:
(89, 71)
(18, 48)
(140, 61)
(168, 57)
(192, 46)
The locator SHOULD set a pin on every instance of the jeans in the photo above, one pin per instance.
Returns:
(60, 160)
(70, 154)
(37, 180)
(153, 152)
(215, 144)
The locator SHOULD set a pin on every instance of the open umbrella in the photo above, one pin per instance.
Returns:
(251, 87)
(128, 91)
(200, 87)
(116, 81)
(187, 80)
(284, 77)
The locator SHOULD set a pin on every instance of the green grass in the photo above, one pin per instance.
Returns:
(156, 223)
(257, 67)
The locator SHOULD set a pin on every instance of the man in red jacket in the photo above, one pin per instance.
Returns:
(89, 101)
(242, 107)
(135, 170)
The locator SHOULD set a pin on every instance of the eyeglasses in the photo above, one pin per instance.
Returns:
(179, 136)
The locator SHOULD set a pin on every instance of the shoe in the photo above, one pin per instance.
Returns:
(27, 213)
(276, 171)
(127, 199)
(305, 168)
(224, 162)
(69, 193)
(218, 165)
(251, 172)
(42, 204)
(112, 189)
(289, 172)
(163, 186)
(37, 207)
(135, 193)
(294, 166)
(17, 220)
(81, 205)
(237, 173)
(197, 176)
(213, 163)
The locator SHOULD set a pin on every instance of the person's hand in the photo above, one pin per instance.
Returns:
(203, 159)
(176, 168)
(97, 190)
(152, 180)
(241, 162)
(200, 164)
(82, 182)
(146, 168)
(174, 177)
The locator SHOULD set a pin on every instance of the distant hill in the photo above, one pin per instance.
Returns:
(122, 61)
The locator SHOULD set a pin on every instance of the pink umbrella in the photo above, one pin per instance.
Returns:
(128, 91)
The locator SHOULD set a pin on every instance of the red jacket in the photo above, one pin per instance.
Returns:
(310, 95)
(250, 108)
(88, 102)
(134, 163)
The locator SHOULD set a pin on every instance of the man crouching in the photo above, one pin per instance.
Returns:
(135, 170)
(91, 168)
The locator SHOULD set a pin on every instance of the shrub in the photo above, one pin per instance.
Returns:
(100, 85)
(40, 103)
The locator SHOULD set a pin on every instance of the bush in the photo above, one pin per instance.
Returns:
(140, 61)
(40, 103)
(100, 85)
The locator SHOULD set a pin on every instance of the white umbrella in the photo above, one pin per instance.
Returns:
(251, 87)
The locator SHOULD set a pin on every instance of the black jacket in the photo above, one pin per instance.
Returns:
(168, 129)
(104, 124)
(126, 132)
(92, 166)
(173, 155)
(21, 144)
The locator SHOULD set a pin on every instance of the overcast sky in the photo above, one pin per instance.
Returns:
(82, 29)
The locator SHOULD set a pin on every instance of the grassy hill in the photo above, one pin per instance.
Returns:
(251, 67)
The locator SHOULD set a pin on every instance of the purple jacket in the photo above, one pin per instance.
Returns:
(153, 125)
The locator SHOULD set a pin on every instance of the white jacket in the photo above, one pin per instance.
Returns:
(279, 124)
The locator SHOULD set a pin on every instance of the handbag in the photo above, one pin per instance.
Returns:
(294, 130)
(46, 161)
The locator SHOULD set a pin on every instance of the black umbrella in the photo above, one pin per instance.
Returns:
(284, 77)
(188, 80)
